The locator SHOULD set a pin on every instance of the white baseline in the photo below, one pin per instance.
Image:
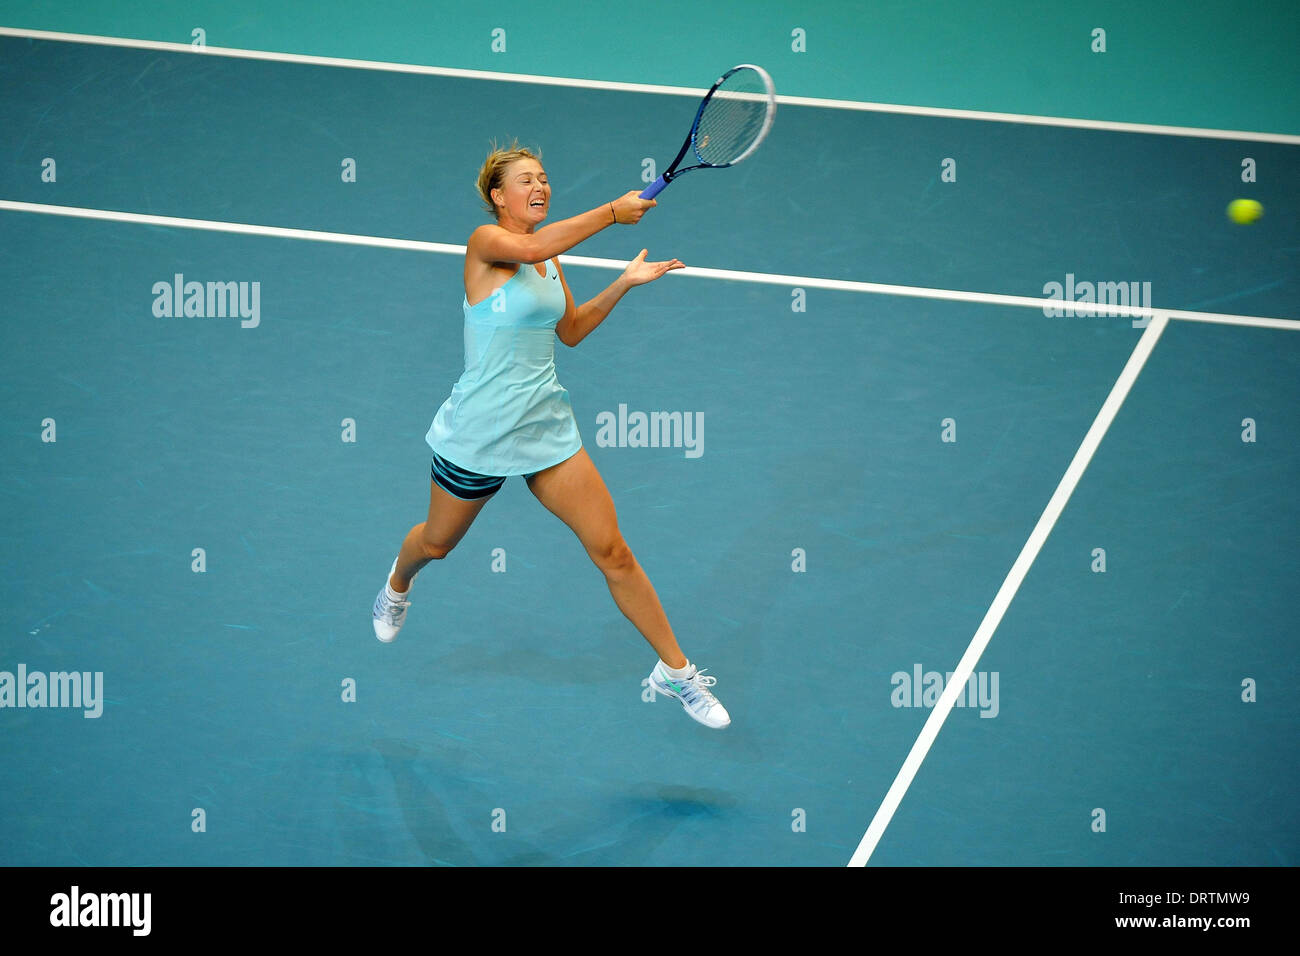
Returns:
(766, 278)
(810, 101)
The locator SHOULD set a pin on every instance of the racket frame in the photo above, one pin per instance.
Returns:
(673, 172)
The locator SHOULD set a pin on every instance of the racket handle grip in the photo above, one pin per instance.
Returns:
(654, 189)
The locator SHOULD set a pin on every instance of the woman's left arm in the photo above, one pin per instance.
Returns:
(579, 321)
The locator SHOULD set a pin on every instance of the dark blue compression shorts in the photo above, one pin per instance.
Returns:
(464, 484)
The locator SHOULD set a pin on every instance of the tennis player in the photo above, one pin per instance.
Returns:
(508, 414)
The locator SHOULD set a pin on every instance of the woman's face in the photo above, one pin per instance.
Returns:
(525, 192)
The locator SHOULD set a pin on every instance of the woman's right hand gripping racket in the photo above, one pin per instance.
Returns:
(732, 120)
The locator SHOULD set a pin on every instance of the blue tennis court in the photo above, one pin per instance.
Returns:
(199, 508)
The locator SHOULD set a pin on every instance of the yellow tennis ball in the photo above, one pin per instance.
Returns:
(1244, 211)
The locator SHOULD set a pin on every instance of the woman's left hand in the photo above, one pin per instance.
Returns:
(639, 272)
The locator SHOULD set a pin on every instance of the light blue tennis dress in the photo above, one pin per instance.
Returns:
(508, 414)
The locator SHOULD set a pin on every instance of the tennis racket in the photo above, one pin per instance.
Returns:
(732, 120)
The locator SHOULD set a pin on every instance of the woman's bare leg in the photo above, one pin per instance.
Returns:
(430, 540)
(576, 494)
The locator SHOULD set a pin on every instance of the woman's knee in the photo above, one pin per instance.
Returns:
(614, 556)
(435, 549)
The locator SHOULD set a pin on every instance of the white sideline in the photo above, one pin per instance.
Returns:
(956, 685)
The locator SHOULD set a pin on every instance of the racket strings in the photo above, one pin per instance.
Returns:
(732, 120)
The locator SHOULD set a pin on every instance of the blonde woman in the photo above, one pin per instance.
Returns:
(508, 414)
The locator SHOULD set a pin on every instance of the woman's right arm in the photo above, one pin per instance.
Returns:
(492, 243)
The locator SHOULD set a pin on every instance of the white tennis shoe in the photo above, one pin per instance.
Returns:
(693, 691)
(389, 616)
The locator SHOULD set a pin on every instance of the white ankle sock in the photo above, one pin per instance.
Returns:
(396, 595)
(676, 672)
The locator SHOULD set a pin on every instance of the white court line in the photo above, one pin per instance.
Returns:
(766, 278)
(351, 64)
(966, 667)
(243, 228)
(811, 101)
